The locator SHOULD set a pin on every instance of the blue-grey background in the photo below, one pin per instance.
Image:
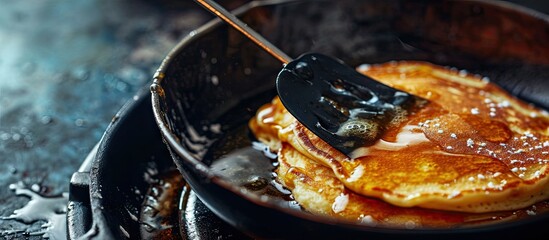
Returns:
(66, 67)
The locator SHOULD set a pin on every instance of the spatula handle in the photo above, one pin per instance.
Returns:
(228, 17)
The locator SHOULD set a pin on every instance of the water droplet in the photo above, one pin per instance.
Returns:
(16, 137)
(215, 80)
(46, 119)
(5, 136)
(133, 75)
(122, 86)
(35, 187)
(247, 71)
(79, 122)
(13, 170)
(81, 73)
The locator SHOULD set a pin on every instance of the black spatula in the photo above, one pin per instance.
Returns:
(344, 108)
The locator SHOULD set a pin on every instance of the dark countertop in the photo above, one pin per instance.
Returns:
(66, 67)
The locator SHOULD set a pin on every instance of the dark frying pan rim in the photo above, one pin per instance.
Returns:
(171, 139)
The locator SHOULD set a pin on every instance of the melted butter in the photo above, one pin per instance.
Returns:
(408, 135)
(357, 174)
(340, 203)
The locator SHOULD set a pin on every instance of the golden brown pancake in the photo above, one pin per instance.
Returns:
(318, 191)
(473, 148)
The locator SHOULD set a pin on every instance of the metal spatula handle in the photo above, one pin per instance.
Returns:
(228, 17)
(344, 108)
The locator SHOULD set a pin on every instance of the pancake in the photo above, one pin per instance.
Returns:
(318, 191)
(474, 148)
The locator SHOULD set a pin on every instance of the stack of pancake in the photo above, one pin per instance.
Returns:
(473, 155)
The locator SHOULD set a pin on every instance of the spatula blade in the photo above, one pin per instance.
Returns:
(343, 107)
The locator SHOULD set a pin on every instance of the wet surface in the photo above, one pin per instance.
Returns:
(48, 210)
(66, 67)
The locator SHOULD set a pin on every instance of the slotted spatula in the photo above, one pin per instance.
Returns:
(346, 109)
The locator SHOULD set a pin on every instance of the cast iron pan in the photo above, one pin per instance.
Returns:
(127, 165)
(106, 194)
(212, 83)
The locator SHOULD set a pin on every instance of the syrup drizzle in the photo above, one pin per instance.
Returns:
(51, 209)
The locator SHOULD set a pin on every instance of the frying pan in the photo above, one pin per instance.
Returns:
(215, 79)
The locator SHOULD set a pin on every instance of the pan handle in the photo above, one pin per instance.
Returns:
(79, 217)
